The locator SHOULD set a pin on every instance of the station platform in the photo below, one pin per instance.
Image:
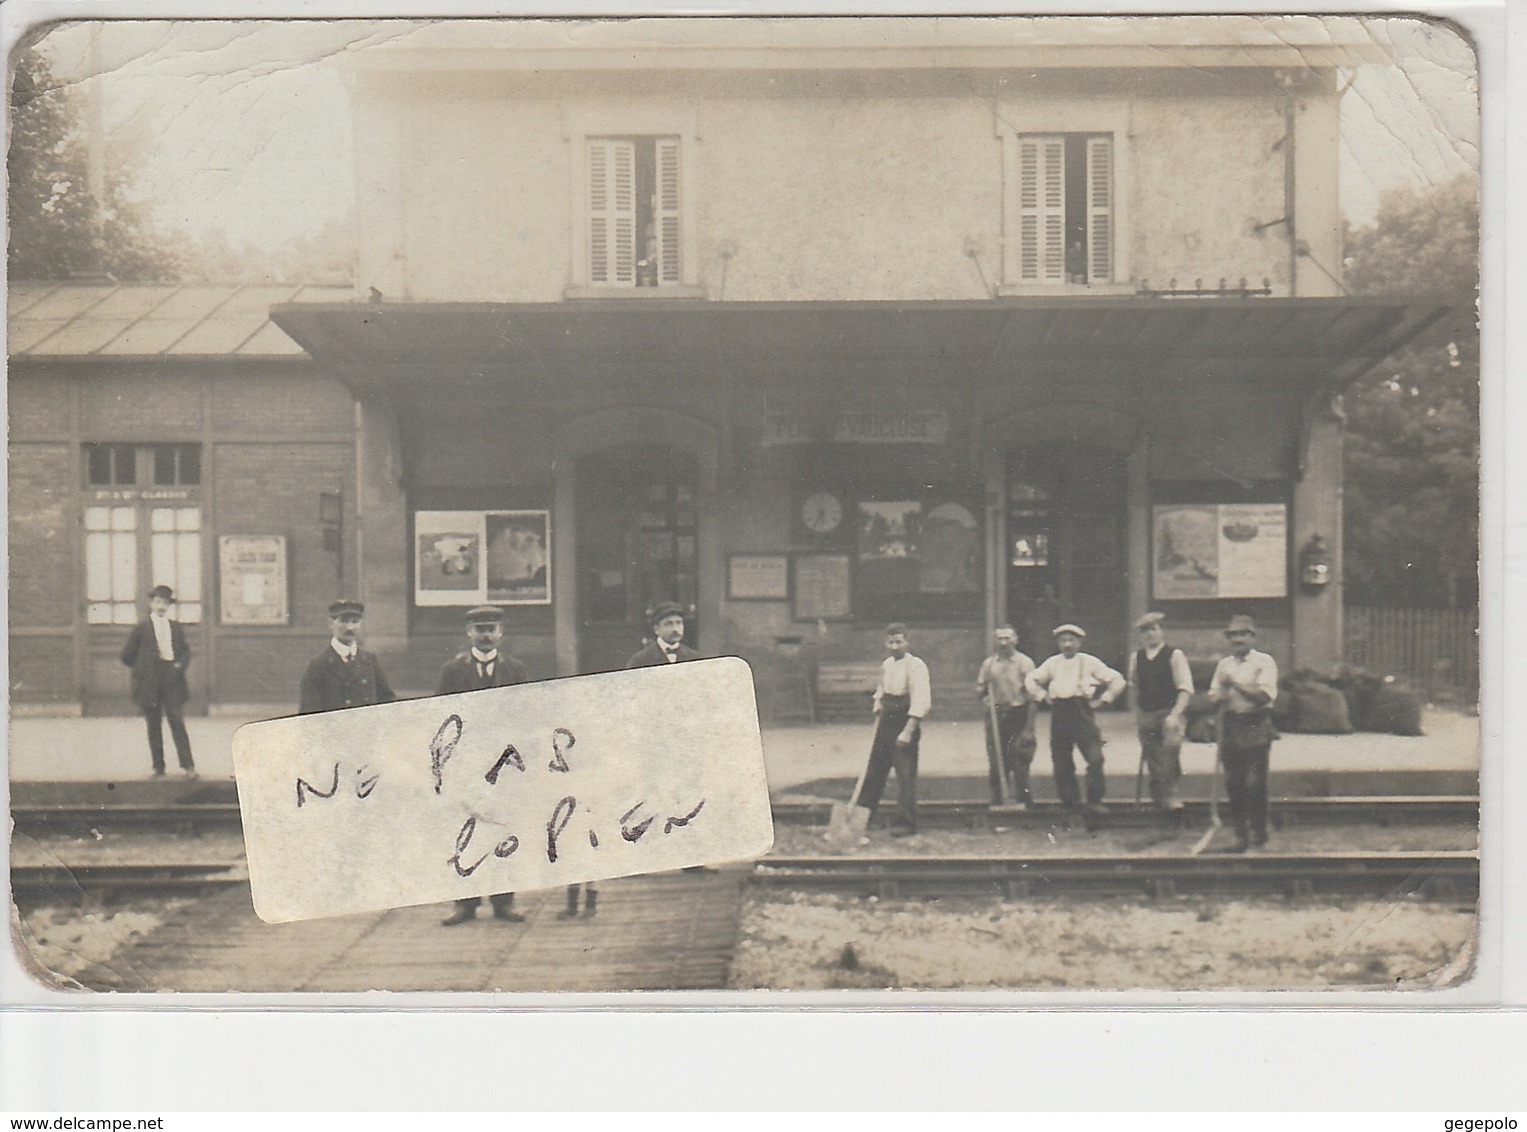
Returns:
(818, 758)
(664, 932)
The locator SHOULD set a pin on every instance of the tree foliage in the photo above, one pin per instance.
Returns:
(1412, 450)
(58, 229)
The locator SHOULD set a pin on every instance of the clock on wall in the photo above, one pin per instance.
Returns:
(822, 512)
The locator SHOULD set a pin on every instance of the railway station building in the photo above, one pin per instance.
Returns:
(806, 325)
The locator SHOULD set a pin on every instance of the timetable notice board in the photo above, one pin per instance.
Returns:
(823, 590)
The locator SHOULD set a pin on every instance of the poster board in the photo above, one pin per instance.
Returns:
(471, 557)
(823, 591)
(758, 577)
(1219, 550)
(252, 580)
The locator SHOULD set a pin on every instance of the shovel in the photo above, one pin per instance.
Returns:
(1219, 760)
(849, 819)
(994, 754)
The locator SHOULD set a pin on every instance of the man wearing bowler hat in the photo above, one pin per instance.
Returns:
(1245, 684)
(344, 675)
(482, 665)
(1076, 684)
(667, 647)
(158, 655)
(1163, 684)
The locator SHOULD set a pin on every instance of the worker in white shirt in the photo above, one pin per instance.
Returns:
(1163, 684)
(1246, 684)
(902, 700)
(1076, 684)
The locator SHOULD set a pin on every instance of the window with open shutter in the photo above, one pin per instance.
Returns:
(1099, 209)
(612, 211)
(635, 217)
(667, 210)
(1065, 213)
(1042, 213)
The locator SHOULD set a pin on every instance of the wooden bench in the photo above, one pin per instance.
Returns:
(843, 689)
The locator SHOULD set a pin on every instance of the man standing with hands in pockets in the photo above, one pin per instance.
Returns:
(1076, 684)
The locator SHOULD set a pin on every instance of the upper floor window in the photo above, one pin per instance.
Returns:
(1065, 208)
(634, 220)
(1066, 176)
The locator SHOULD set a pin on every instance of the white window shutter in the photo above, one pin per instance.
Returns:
(612, 211)
(1100, 210)
(666, 213)
(1041, 210)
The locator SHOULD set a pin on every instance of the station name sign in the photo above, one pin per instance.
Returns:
(866, 426)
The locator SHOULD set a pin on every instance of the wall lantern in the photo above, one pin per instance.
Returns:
(1315, 566)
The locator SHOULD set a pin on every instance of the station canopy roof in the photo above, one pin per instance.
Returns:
(53, 320)
(381, 345)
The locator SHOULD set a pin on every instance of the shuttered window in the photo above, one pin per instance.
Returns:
(634, 212)
(1065, 208)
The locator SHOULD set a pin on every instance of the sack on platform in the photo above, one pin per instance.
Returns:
(1200, 718)
(1321, 710)
(1396, 708)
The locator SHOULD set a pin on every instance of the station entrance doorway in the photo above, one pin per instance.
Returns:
(1065, 548)
(636, 546)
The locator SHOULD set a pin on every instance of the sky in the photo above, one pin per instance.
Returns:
(234, 127)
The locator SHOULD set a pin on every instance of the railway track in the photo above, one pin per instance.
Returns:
(1424, 809)
(1436, 875)
(36, 884)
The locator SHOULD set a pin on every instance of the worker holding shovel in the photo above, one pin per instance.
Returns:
(1009, 718)
(903, 698)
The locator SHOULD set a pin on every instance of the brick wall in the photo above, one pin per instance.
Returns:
(140, 406)
(42, 517)
(42, 670)
(273, 489)
(292, 405)
(38, 406)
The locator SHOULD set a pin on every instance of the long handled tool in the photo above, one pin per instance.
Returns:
(1140, 781)
(1219, 761)
(994, 753)
(849, 820)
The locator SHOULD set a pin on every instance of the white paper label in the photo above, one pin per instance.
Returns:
(508, 789)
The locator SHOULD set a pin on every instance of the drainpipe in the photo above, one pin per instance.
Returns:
(1288, 186)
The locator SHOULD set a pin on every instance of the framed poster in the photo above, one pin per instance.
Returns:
(822, 588)
(252, 578)
(518, 557)
(758, 577)
(448, 566)
(1224, 550)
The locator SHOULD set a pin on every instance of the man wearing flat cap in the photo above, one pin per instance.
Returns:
(344, 675)
(482, 665)
(667, 647)
(158, 655)
(1245, 684)
(1163, 685)
(1076, 684)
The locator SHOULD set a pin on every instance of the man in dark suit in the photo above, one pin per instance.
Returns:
(483, 665)
(157, 653)
(668, 646)
(344, 675)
